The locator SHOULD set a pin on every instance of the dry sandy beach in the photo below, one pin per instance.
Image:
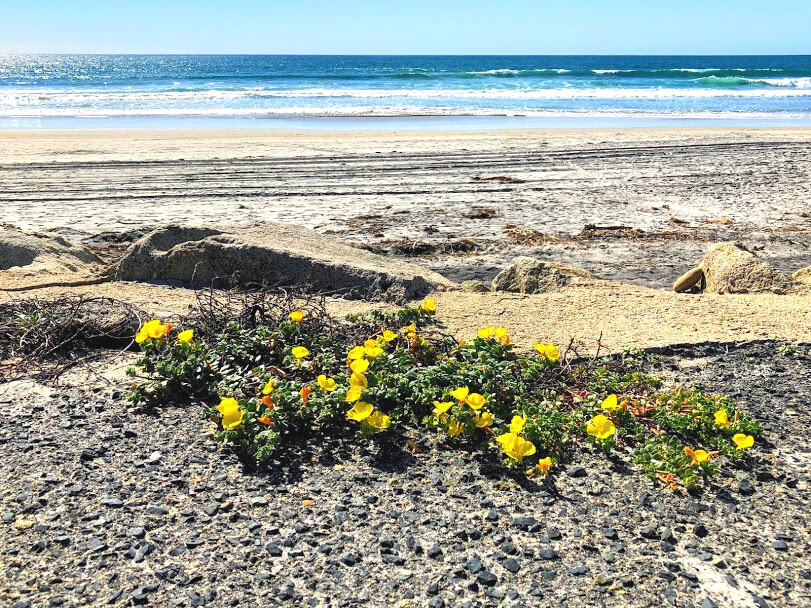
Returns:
(636, 205)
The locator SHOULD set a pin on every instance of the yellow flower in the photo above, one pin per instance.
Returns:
(268, 388)
(409, 329)
(744, 442)
(455, 428)
(356, 353)
(502, 335)
(373, 351)
(297, 316)
(549, 352)
(516, 447)
(483, 420)
(232, 419)
(326, 384)
(299, 352)
(442, 407)
(389, 336)
(461, 393)
(227, 404)
(360, 411)
(543, 466)
(231, 413)
(378, 421)
(475, 401)
(429, 306)
(506, 438)
(153, 329)
(358, 380)
(359, 366)
(486, 332)
(186, 336)
(698, 456)
(601, 427)
(517, 423)
(353, 394)
(721, 419)
(610, 403)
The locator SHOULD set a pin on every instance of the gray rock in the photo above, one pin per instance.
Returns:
(474, 286)
(528, 275)
(732, 268)
(42, 253)
(275, 254)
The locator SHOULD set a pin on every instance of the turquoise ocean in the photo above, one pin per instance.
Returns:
(53, 91)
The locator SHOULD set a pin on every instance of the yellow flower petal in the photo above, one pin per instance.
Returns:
(299, 352)
(743, 442)
(268, 388)
(429, 305)
(389, 336)
(378, 421)
(483, 420)
(610, 403)
(475, 401)
(721, 419)
(186, 336)
(442, 407)
(601, 427)
(373, 351)
(360, 411)
(227, 404)
(297, 316)
(460, 393)
(356, 353)
(544, 464)
(517, 423)
(548, 351)
(486, 332)
(232, 419)
(326, 384)
(358, 380)
(359, 366)
(455, 428)
(354, 393)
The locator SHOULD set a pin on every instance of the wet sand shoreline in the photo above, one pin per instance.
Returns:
(635, 205)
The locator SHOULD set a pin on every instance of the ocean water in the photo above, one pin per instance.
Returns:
(251, 90)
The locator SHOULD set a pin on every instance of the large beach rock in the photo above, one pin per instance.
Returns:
(275, 254)
(803, 275)
(732, 268)
(528, 275)
(29, 254)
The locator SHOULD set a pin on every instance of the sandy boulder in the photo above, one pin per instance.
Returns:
(803, 275)
(276, 254)
(528, 275)
(29, 254)
(732, 268)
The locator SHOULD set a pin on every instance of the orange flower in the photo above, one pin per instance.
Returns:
(305, 393)
(264, 420)
(267, 402)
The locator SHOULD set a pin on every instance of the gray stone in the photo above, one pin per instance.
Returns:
(35, 252)
(528, 275)
(474, 286)
(275, 254)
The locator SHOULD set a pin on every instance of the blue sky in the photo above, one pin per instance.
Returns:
(408, 27)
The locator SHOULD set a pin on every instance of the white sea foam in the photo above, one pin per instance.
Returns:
(76, 100)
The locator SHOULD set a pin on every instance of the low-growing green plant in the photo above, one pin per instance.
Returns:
(268, 383)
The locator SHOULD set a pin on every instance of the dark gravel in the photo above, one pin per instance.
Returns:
(102, 506)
